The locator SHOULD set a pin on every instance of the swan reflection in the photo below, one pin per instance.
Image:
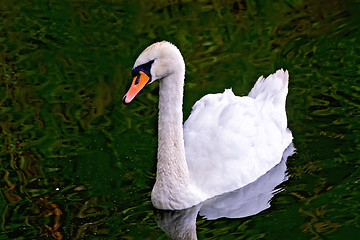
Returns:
(246, 201)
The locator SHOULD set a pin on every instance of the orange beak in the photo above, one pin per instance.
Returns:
(137, 84)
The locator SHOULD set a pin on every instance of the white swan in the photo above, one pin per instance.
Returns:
(227, 141)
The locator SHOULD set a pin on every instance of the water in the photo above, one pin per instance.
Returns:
(78, 164)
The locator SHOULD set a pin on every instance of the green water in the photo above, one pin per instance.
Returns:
(78, 164)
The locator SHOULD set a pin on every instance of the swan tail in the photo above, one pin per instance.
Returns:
(274, 88)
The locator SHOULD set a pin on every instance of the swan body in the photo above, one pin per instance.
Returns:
(226, 143)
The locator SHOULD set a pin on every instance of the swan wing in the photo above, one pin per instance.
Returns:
(231, 141)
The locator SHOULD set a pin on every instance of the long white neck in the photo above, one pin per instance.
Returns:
(172, 179)
(171, 151)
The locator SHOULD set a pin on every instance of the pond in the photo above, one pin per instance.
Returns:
(76, 163)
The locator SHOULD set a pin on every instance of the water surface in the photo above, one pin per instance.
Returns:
(78, 164)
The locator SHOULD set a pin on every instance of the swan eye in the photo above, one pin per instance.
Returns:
(144, 68)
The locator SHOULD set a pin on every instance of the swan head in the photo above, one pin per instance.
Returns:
(157, 61)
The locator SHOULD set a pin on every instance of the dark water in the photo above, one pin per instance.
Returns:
(78, 164)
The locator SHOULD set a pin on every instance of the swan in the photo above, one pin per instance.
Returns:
(226, 143)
